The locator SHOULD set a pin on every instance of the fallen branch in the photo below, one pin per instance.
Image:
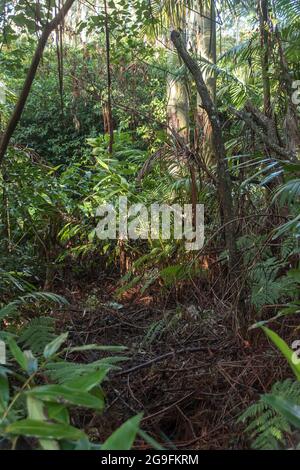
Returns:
(161, 358)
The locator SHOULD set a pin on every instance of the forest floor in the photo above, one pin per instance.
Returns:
(186, 369)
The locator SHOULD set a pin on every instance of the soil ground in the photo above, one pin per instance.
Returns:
(185, 368)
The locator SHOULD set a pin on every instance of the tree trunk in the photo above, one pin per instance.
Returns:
(224, 182)
(291, 122)
(205, 46)
(109, 116)
(178, 102)
(17, 113)
(264, 24)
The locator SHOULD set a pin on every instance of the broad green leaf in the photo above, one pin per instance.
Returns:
(88, 381)
(288, 226)
(35, 408)
(98, 392)
(32, 363)
(152, 442)
(36, 411)
(103, 164)
(58, 412)
(40, 429)
(54, 346)
(286, 407)
(4, 391)
(83, 444)
(17, 353)
(124, 437)
(284, 349)
(63, 394)
(112, 360)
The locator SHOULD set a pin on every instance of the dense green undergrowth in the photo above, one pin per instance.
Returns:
(59, 168)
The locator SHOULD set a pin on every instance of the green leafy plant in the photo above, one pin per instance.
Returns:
(43, 411)
(270, 419)
(268, 425)
(39, 387)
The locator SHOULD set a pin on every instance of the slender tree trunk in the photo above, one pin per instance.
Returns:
(264, 24)
(205, 47)
(265, 40)
(224, 182)
(205, 44)
(109, 110)
(291, 122)
(17, 113)
(178, 103)
(6, 212)
(178, 109)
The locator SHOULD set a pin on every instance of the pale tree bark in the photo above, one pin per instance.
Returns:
(178, 109)
(178, 114)
(224, 182)
(178, 105)
(204, 29)
(205, 42)
(18, 110)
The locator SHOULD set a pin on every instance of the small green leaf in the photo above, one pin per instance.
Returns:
(124, 437)
(40, 429)
(284, 349)
(17, 353)
(83, 444)
(88, 381)
(103, 164)
(4, 391)
(54, 346)
(35, 408)
(152, 442)
(32, 363)
(36, 411)
(286, 407)
(58, 412)
(63, 394)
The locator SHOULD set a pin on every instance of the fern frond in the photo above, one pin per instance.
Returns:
(289, 192)
(38, 333)
(267, 287)
(31, 298)
(64, 371)
(289, 247)
(267, 427)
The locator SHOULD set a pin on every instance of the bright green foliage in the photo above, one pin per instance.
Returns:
(58, 170)
(267, 426)
(124, 437)
(45, 413)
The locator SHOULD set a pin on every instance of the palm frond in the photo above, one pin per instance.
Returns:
(37, 334)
